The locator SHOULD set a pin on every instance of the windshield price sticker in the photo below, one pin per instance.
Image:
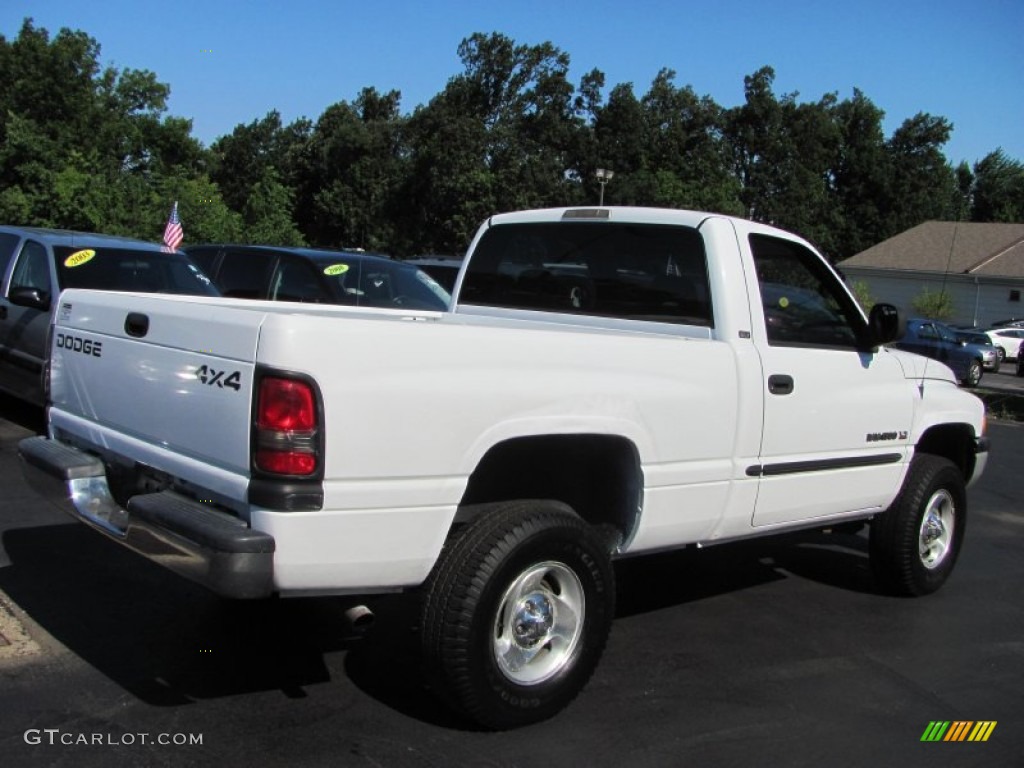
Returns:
(78, 258)
(336, 269)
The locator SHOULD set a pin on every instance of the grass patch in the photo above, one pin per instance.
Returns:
(1001, 405)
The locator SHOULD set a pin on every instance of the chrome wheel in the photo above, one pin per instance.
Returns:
(937, 525)
(539, 623)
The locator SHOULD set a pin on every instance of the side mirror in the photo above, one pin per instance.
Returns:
(32, 298)
(885, 324)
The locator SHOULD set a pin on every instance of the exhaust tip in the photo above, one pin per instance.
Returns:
(359, 618)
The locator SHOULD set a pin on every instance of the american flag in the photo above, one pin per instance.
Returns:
(173, 233)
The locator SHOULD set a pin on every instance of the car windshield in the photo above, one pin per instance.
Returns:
(125, 269)
(380, 283)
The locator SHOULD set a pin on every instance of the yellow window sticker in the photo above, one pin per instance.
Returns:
(78, 258)
(783, 302)
(336, 269)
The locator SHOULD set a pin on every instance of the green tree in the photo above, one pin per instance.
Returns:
(998, 189)
(860, 176)
(922, 185)
(268, 213)
(687, 161)
(934, 305)
(83, 147)
(862, 292)
(355, 163)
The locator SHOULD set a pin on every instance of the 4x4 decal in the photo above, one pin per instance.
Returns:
(219, 379)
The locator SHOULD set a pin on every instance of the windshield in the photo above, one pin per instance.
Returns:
(380, 283)
(125, 269)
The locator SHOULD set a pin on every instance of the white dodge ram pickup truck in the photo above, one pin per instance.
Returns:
(608, 382)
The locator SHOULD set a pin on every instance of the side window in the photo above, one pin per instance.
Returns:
(928, 332)
(8, 243)
(296, 280)
(32, 269)
(804, 304)
(204, 258)
(246, 274)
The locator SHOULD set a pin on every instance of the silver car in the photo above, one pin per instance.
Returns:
(991, 359)
(37, 264)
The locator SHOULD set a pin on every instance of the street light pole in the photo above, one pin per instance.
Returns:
(603, 177)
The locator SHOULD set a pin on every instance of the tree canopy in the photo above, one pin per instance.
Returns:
(93, 148)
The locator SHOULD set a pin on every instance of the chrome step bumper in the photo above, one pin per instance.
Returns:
(192, 539)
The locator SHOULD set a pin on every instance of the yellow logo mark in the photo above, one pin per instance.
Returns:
(336, 269)
(78, 258)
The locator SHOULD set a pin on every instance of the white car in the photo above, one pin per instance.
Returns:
(1007, 341)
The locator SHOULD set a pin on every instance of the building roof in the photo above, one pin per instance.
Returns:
(992, 250)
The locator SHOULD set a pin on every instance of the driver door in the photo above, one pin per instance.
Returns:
(23, 330)
(836, 417)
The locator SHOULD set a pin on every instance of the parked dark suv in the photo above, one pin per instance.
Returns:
(318, 276)
(36, 264)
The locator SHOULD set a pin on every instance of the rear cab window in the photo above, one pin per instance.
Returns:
(651, 272)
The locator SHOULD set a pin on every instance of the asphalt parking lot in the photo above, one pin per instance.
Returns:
(770, 653)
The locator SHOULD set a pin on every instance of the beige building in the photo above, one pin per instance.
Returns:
(981, 267)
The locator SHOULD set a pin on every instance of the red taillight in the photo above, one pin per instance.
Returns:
(286, 462)
(286, 405)
(286, 428)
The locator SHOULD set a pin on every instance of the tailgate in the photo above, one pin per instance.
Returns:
(174, 372)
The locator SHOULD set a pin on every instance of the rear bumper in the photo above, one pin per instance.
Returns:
(194, 540)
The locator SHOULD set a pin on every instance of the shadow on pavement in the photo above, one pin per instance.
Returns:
(30, 417)
(170, 642)
(669, 579)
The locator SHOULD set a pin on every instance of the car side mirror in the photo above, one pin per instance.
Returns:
(885, 324)
(32, 298)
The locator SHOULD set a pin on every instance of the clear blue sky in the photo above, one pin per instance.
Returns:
(232, 61)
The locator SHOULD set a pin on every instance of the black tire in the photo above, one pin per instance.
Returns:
(915, 543)
(539, 557)
(973, 374)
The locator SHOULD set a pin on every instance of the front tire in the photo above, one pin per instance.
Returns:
(973, 374)
(915, 543)
(516, 613)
